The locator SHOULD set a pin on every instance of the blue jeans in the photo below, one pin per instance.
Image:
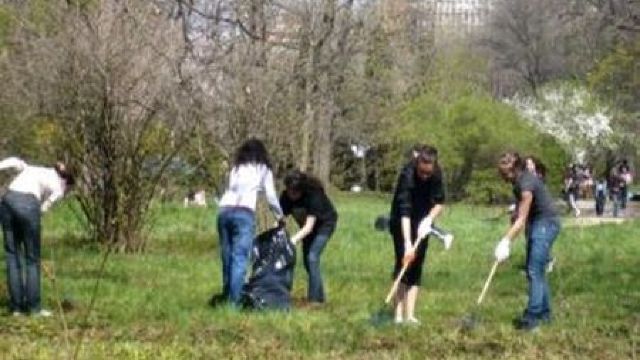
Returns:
(541, 235)
(20, 217)
(312, 247)
(236, 229)
(624, 194)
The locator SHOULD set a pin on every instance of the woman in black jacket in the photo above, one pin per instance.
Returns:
(417, 202)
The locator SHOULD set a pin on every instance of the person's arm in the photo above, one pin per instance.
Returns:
(501, 252)
(435, 212)
(55, 196)
(272, 196)
(55, 189)
(438, 197)
(404, 207)
(13, 163)
(405, 223)
(523, 213)
(309, 223)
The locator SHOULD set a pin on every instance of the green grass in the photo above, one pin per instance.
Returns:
(154, 305)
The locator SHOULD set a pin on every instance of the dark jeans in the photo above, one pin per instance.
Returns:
(600, 204)
(541, 235)
(615, 203)
(20, 217)
(624, 194)
(236, 228)
(312, 247)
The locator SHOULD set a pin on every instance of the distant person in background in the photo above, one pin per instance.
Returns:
(250, 174)
(305, 199)
(587, 182)
(615, 182)
(571, 188)
(195, 198)
(600, 195)
(418, 200)
(626, 178)
(31, 193)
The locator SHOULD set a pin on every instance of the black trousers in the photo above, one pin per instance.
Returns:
(413, 275)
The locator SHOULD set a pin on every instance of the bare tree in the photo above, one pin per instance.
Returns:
(525, 37)
(109, 79)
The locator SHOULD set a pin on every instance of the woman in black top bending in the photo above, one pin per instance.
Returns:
(417, 202)
(305, 199)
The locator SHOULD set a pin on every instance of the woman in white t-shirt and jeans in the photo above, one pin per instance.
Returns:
(31, 193)
(249, 175)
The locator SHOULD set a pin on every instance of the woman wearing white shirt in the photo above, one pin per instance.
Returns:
(250, 174)
(30, 193)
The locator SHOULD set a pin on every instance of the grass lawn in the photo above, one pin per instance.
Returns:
(154, 305)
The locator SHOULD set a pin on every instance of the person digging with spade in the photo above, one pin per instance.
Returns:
(538, 216)
(417, 202)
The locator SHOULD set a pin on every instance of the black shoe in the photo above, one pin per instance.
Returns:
(218, 299)
(526, 324)
(546, 319)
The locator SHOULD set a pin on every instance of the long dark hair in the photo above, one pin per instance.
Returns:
(426, 154)
(65, 173)
(541, 169)
(305, 183)
(252, 151)
(512, 161)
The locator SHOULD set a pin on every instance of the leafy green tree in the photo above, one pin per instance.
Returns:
(471, 129)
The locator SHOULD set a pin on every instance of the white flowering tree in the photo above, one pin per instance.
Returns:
(569, 113)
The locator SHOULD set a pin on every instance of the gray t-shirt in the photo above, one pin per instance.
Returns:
(542, 205)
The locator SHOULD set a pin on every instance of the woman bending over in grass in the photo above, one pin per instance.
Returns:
(537, 214)
(31, 193)
(305, 199)
(250, 174)
(417, 202)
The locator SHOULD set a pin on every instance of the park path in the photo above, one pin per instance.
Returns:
(588, 214)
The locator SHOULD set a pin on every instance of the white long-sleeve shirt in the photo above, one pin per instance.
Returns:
(245, 182)
(44, 183)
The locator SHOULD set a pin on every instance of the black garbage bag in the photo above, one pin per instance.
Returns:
(382, 223)
(271, 280)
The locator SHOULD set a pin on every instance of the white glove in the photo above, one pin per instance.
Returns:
(502, 250)
(447, 240)
(424, 228)
(45, 206)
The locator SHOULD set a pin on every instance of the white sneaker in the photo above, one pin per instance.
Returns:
(43, 313)
(413, 321)
(16, 314)
(447, 240)
(577, 212)
(398, 321)
(550, 265)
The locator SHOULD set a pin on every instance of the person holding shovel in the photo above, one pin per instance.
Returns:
(538, 216)
(31, 193)
(418, 200)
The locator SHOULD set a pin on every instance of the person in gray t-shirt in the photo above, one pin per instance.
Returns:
(538, 215)
(542, 205)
